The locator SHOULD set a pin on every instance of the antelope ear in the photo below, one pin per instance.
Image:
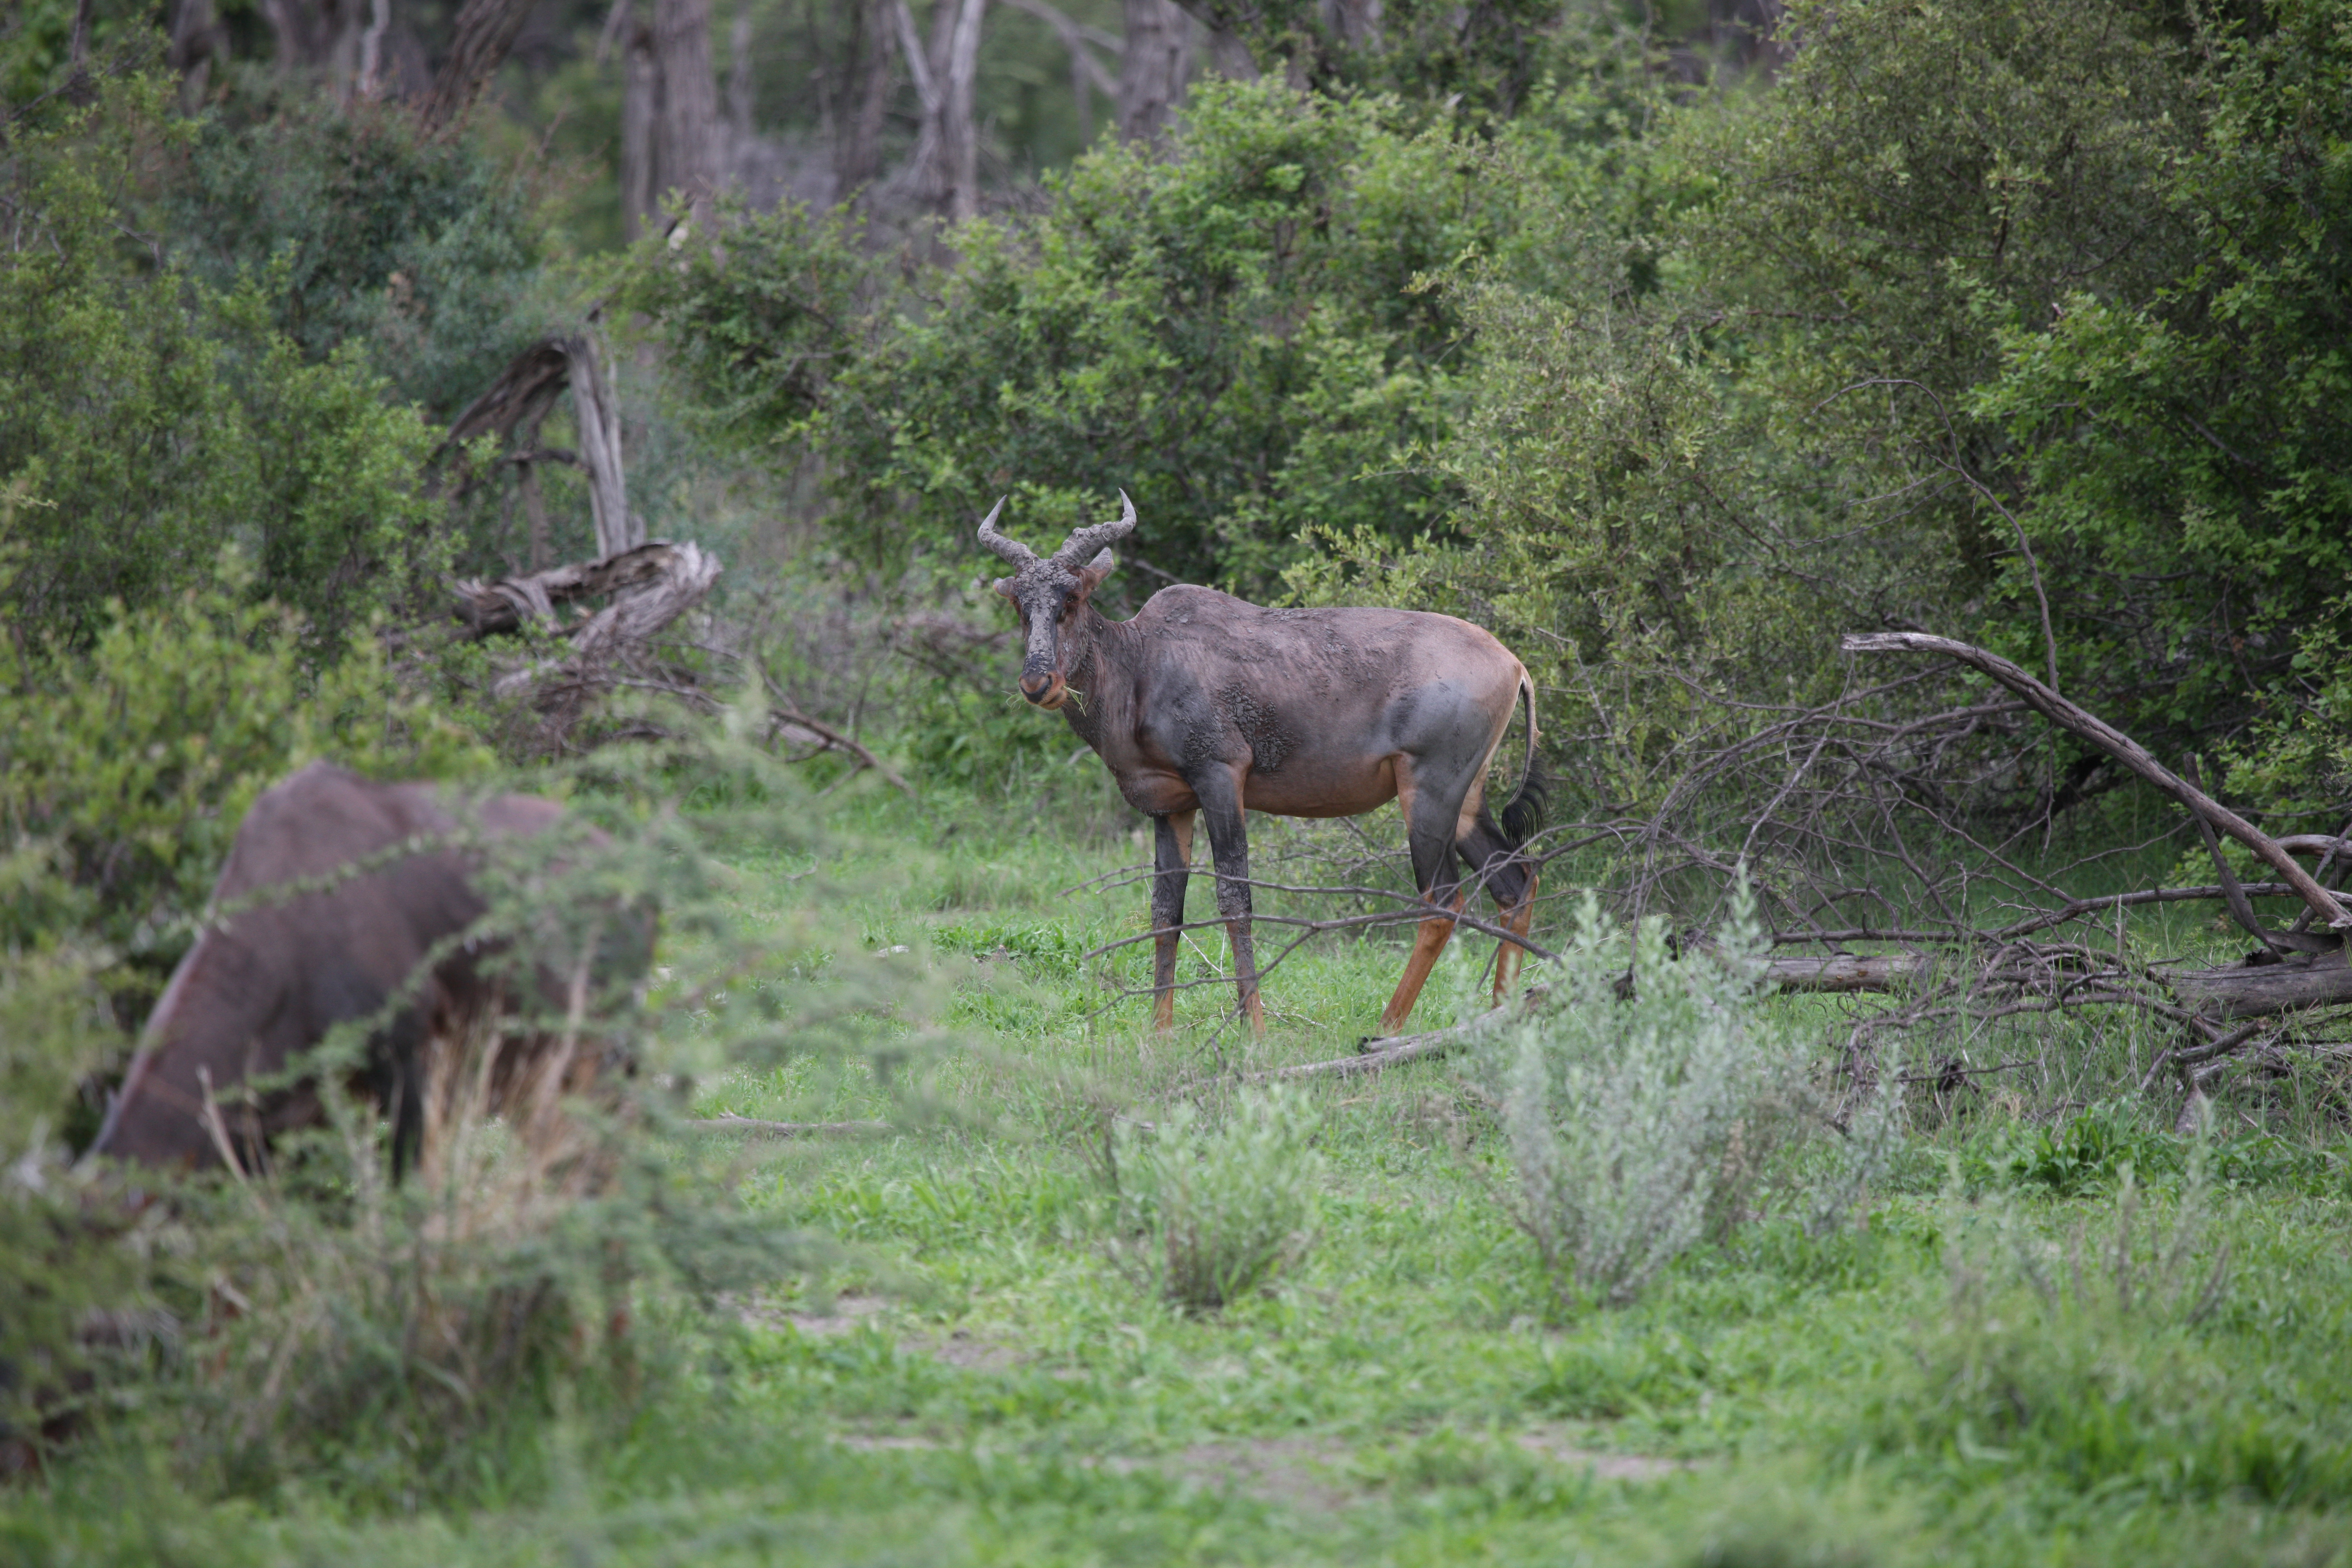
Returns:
(1091, 574)
(1004, 586)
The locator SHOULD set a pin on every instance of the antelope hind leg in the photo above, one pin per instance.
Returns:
(1510, 956)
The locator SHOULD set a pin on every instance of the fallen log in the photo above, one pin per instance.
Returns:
(1847, 971)
(509, 604)
(2257, 990)
(2233, 990)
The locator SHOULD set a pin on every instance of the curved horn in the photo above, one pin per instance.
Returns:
(1015, 554)
(1083, 543)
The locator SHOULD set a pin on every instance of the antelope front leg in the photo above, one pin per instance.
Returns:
(1221, 800)
(1428, 944)
(1171, 864)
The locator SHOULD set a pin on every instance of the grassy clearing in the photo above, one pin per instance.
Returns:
(2071, 1341)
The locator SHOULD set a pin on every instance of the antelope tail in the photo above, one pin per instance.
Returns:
(1524, 810)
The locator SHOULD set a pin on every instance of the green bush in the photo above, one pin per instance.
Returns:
(1647, 1104)
(1220, 1209)
(418, 252)
(148, 418)
(1232, 332)
(2190, 446)
(2079, 1361)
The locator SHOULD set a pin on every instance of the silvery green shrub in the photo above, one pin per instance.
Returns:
(1647, 1102)
(1218, 1209)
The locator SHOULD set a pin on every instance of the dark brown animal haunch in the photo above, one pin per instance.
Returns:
(1203, 704)
(343, 899)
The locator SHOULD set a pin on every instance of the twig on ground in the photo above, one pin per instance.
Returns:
(730, 1122)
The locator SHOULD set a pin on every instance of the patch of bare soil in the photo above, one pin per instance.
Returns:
(1296, 1473)
(848, 1312)
(882, 1442)
(963, 1349)
(1557, 1447)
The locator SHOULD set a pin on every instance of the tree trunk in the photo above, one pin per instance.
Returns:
(947, 155)
(686, 145)
(306, 33)
(599, 417)
(640, 108)
(1086, 72)
(1356, 23)
(540, 551)
(486, 32)
(1151, 66)
(739, 81)
(1229, 57)
(370, 83)
(961, 144)
(857, 153)
(197, 42)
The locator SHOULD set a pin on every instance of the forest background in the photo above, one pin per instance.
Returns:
(1671, 342)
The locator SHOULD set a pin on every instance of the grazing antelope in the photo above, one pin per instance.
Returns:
(1203, 704)
(345, 899)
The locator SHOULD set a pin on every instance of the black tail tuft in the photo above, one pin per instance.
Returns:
(1525, 812)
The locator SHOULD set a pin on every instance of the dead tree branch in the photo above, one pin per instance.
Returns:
(730, 1122)
(789, 724)
(2329, 912)
(520, 398)
(509, 604)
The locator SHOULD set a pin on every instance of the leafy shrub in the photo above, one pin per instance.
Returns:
(1222, 1209)
(2108, 1147)
(2097, 1149)
(1647, 1103)
(148, 418)
(1231, 333)
(418, 252)
(2077, 1360)
(2188, 443)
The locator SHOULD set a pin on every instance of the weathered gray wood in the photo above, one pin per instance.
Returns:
(598, 414)
(2254, 991)
(503, 606)
(1847, 971)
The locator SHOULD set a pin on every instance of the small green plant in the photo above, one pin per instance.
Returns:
(2083, 1357)
(1217, 1211)
(1648, 1104)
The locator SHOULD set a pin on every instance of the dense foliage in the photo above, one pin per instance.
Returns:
(1667, 388)
(1232, 334)
(421, 254)
(149, 418)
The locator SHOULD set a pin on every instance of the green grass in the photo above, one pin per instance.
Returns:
(980, 1379)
